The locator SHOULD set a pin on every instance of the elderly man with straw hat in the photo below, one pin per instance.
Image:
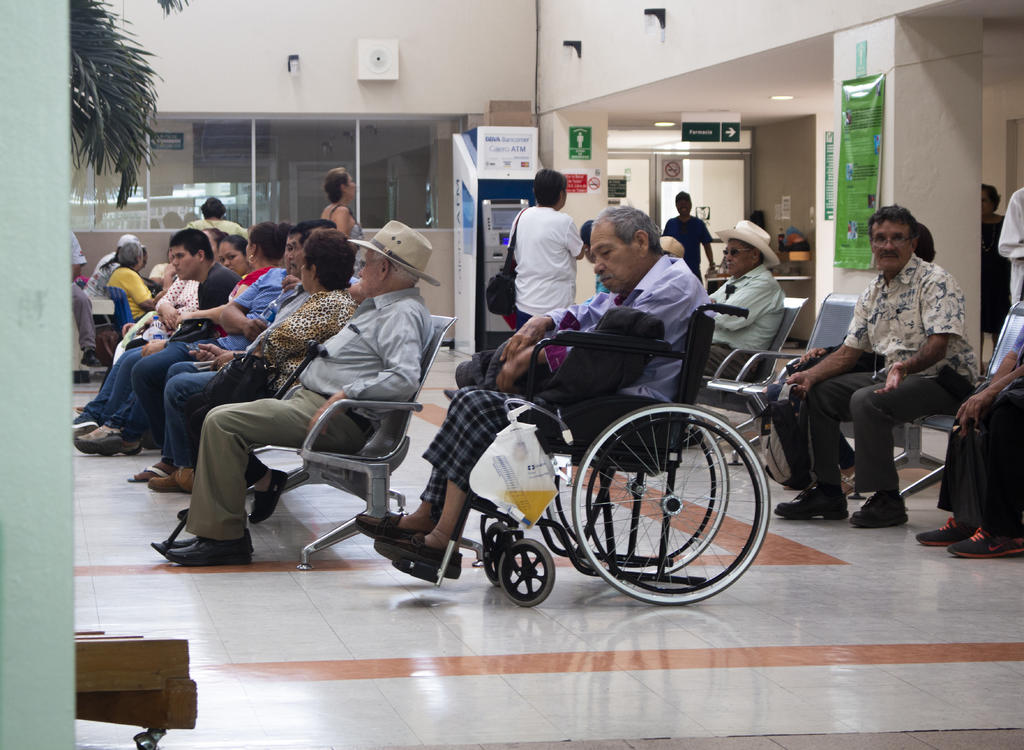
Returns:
(375, 357)
(748, 259)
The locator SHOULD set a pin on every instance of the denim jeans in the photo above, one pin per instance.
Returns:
(149, 377)
(183, 382)
(115, 389)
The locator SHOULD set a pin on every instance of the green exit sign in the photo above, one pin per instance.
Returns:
(711, 132)
(702, 131)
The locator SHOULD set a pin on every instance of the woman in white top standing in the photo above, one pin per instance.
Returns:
(548, 245)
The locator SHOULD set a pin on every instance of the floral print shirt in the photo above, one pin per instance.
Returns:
(894, 319)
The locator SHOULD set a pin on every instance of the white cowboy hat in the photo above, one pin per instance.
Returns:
(753, 235)
(406, 247)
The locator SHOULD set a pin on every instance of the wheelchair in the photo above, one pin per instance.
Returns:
(649, 500)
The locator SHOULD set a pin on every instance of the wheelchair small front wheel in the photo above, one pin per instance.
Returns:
(526, 572)
(495, 537)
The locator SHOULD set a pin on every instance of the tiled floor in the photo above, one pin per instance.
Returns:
(863, 636)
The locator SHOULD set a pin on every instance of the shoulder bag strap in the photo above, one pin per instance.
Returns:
(510, 256)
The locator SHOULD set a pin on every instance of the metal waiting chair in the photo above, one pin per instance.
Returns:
(913, 456)
(749, 395)
(366, 474)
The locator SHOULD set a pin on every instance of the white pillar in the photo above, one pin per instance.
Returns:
(37, 680)
(931, 145)
(555, 155)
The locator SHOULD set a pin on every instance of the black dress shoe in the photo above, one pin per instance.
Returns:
(265, 503)
(813, 503)
(89, 358)
(165, 545)
(881, 509)
(203, 552)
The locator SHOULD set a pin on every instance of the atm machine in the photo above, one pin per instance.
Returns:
(492, 169)
(496, 217)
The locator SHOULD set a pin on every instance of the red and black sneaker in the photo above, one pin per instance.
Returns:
(984, 545)
(947, 535)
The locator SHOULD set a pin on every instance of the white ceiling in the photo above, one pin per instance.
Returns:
(802, 70)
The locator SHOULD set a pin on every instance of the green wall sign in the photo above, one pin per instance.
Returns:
(579, 142)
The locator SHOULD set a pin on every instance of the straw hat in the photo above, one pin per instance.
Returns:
(406, 247)
(672, 246)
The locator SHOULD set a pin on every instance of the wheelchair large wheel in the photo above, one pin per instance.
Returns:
(661, 514)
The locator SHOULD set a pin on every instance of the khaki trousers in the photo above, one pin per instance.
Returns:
(217, 510)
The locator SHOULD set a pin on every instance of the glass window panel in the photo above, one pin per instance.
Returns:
(197, 159)
(292, 157)
(401, 166)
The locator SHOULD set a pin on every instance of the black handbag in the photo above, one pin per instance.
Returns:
(195, 329)
(242, 379)
(965, 477)
(500, 292)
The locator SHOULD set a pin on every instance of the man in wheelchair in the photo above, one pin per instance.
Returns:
(375, 357)
(629, 262)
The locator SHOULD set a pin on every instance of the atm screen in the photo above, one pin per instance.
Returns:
(502, 218)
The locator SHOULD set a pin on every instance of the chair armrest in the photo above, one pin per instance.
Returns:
(755, 359)
(383, 406)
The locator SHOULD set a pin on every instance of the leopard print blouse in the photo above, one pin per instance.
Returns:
(319, 317)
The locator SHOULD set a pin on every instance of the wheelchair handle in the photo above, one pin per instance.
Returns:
(717, 307)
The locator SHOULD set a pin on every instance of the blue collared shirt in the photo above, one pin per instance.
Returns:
(670, 292)
(255, 299)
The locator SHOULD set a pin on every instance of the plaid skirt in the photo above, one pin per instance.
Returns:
(474, 418)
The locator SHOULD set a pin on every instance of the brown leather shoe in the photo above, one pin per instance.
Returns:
(179, 481)
(185, 477)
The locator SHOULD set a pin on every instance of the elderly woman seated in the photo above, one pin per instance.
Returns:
(128, 260)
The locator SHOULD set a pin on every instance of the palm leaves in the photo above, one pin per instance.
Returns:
(113, 99)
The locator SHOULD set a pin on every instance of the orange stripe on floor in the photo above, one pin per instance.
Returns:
(610, 661)
(432, 413)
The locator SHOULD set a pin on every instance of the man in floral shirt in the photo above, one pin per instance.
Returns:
(912, 315)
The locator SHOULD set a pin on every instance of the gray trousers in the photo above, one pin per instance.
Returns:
(217, 510)
(81, 308)
(852, 397)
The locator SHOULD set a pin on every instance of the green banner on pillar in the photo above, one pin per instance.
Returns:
(859, 169)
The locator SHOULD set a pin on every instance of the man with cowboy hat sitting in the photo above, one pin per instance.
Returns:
(375, 357)
(748, 258)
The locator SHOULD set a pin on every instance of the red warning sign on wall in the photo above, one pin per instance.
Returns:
(576, 183)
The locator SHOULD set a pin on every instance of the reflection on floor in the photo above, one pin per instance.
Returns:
(835, 630)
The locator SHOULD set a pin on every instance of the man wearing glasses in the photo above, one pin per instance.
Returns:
(748, 258)
(913, 315)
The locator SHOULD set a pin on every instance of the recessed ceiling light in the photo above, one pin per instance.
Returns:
(781, 97)
(664, 124)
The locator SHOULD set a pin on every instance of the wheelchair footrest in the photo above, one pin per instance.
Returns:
(424, 571)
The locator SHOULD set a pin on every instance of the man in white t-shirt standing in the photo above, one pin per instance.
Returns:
(548, 245)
